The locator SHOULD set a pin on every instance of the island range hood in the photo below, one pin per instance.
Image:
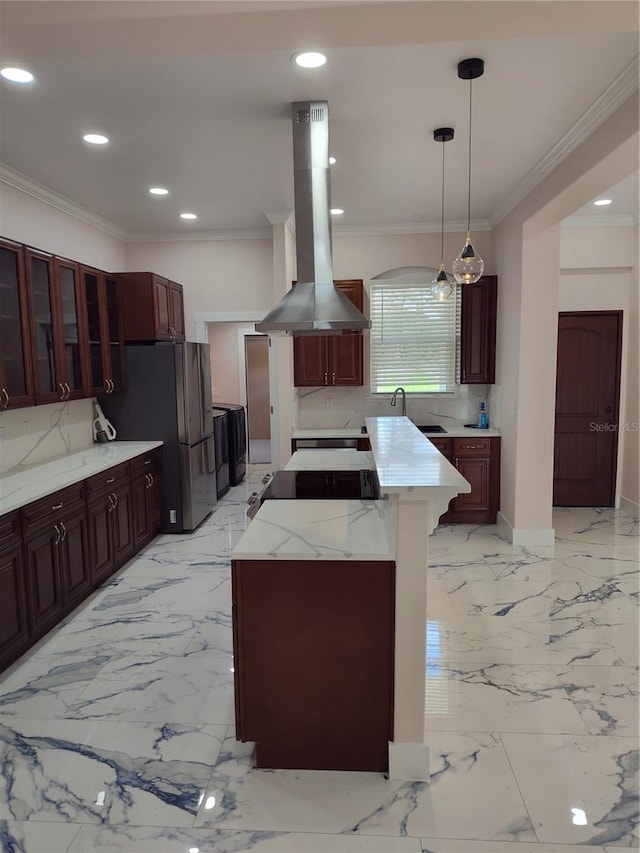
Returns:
(314, 306)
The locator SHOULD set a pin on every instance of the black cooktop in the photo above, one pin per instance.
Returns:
(288, 485)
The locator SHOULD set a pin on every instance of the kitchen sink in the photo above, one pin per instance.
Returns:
(430, 428)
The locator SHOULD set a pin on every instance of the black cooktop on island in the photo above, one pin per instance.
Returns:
(288, 485)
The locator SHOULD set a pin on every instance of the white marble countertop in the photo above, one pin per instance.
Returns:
(22, 487)
(454, 429)
(340, 459)
(319, 530)
(406, 461)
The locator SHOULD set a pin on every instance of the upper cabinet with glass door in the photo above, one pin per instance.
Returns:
(104, 323)
(58, 329)
(16, 378)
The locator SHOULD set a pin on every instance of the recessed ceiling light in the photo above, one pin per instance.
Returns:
(158, 191)
(17, 75)
(95, 138)
(332, 160)
(336, 211)
(309, 59)
(188, 216)
(602, 201)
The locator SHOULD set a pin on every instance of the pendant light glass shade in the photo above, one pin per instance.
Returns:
(441, 286)
(469, 266)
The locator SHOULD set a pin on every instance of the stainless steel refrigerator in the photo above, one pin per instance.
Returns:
(168, 398)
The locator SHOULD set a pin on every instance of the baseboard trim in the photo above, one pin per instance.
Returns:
(524, 537)
(632, 508)
(409, 762)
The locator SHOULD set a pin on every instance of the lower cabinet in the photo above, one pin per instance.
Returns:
(313, 662)
(14, 629)
(54, 551)
(478, 460)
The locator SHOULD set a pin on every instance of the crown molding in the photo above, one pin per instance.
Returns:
(32, 188)
(408, 228)
(615, 221)
(625, 84)
(200, 236)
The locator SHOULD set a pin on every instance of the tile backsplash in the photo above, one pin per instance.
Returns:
(348, 407)
(38, 434)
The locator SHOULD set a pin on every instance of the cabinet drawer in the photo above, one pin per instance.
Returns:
(48, 510)
(147, 462)
(9, 529)
(472, 446)
(443, 445)
(107, 480)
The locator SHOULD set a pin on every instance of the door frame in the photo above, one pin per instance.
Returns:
(619, 313)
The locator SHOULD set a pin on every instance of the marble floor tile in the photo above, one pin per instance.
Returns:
(213, 635)
(183, 593)
(115, 773)
(620, 628)
(497, 639)
(143, 839)
(130, 633)
(32, 837)
(605, 697)
(45, 686)
(195, 688)
(448, 845)
(471, 793)
(497, 698)
(578, 789)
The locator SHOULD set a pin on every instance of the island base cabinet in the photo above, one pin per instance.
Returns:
(14, 630)
(313, 659)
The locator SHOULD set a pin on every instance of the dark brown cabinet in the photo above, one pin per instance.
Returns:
(56, 556)
(58, 328)
(153, 307)
(478, 332)
(313, 662)
(111, 531)
(105, 333)
(320, 360)
(54, 551)
(14, 628)
(16, 377)
(147, 498)
(478, 460)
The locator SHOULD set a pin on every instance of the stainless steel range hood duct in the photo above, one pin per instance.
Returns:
(314, 306)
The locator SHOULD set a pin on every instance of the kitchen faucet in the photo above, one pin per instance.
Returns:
(404, 400)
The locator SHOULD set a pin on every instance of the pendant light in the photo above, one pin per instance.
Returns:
(441, 286)
(469, 266)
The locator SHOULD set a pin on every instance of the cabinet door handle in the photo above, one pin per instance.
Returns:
(64, 531)
(105, 383)
(57, 506)
(151, 479)
(147, 481)
(147, 462)
(111, 506)
(68, 387)
(115, 498)
(111, 480)
(57, 539)
(325, 378)
(6, 398)
(112, 387)
(62, 390)
(333, 379)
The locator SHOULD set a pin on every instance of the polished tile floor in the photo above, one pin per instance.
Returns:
(116, 731)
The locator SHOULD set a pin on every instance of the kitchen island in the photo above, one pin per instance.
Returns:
(344, 582)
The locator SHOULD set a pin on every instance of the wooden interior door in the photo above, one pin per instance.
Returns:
(587, 400)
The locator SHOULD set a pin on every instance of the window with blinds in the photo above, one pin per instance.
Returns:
(414, 339)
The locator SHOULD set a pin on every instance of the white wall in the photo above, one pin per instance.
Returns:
(29, 220)
(527, 331)
(629, 481)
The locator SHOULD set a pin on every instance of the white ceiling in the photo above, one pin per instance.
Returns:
(196, 97)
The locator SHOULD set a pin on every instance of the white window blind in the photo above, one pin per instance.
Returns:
(414, 339)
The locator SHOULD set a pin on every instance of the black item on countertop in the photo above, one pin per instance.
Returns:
(237, 424)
